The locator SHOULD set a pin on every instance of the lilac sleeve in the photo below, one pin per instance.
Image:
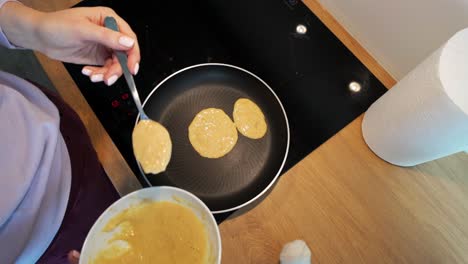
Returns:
(3, 39)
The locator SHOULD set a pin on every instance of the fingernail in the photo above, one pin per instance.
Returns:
(76, 254)
(112, 80)
(86, 71)
(126, 41)
(97, 77)
(136, 68)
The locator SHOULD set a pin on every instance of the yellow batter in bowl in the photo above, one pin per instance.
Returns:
(212, 133)
(249, 119)
(155, 232)
(152, 146)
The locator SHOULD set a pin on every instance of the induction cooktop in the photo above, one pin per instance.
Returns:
(321, 84)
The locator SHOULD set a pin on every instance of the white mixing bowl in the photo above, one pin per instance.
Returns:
(97, 239)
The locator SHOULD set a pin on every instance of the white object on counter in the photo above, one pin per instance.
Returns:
(424, 116)
(295, 252)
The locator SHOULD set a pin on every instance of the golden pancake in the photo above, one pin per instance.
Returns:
(152, 146)
(249, 119)
(155, 232)
(212, 133)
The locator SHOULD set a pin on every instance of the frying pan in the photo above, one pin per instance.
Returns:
(253, 165)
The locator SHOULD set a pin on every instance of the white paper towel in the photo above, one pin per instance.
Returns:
(425, 115)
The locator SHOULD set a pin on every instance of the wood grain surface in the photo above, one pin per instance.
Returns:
(346, 203)
(351, 207)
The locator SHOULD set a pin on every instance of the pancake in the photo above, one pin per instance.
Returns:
(152, 146)
(249, 119)
(212, 133)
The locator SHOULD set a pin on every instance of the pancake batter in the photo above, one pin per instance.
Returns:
(156, 232)
(212, 133)
(152, 146)
(249, 119)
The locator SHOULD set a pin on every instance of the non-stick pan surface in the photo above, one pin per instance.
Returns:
(253, 165)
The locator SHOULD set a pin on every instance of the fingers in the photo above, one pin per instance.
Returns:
(133, 53)
(109, 73)
(113, 73)
(99, 74)
(133, 63)
(73, 257)
(109, 38)
(96, 74)
(125, 40)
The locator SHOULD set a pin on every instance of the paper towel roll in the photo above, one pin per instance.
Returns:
(425, 115)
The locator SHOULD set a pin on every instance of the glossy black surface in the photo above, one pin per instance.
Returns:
(310, 73)
(250, 167)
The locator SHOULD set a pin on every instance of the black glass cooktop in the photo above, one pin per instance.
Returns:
(308, 67)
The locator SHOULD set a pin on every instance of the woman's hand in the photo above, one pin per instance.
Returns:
(74, 35)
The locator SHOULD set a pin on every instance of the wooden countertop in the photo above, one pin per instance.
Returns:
(346, 203)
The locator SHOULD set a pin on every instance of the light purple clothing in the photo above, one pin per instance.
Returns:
(35, 170)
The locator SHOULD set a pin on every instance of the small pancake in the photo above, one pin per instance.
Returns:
(212, 133)
(249, 119)
(152, 146)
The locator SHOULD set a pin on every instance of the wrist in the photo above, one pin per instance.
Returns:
(19, 24)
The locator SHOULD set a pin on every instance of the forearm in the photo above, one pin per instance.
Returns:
(19, 24)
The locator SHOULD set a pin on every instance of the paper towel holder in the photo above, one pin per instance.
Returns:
(425, 115)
